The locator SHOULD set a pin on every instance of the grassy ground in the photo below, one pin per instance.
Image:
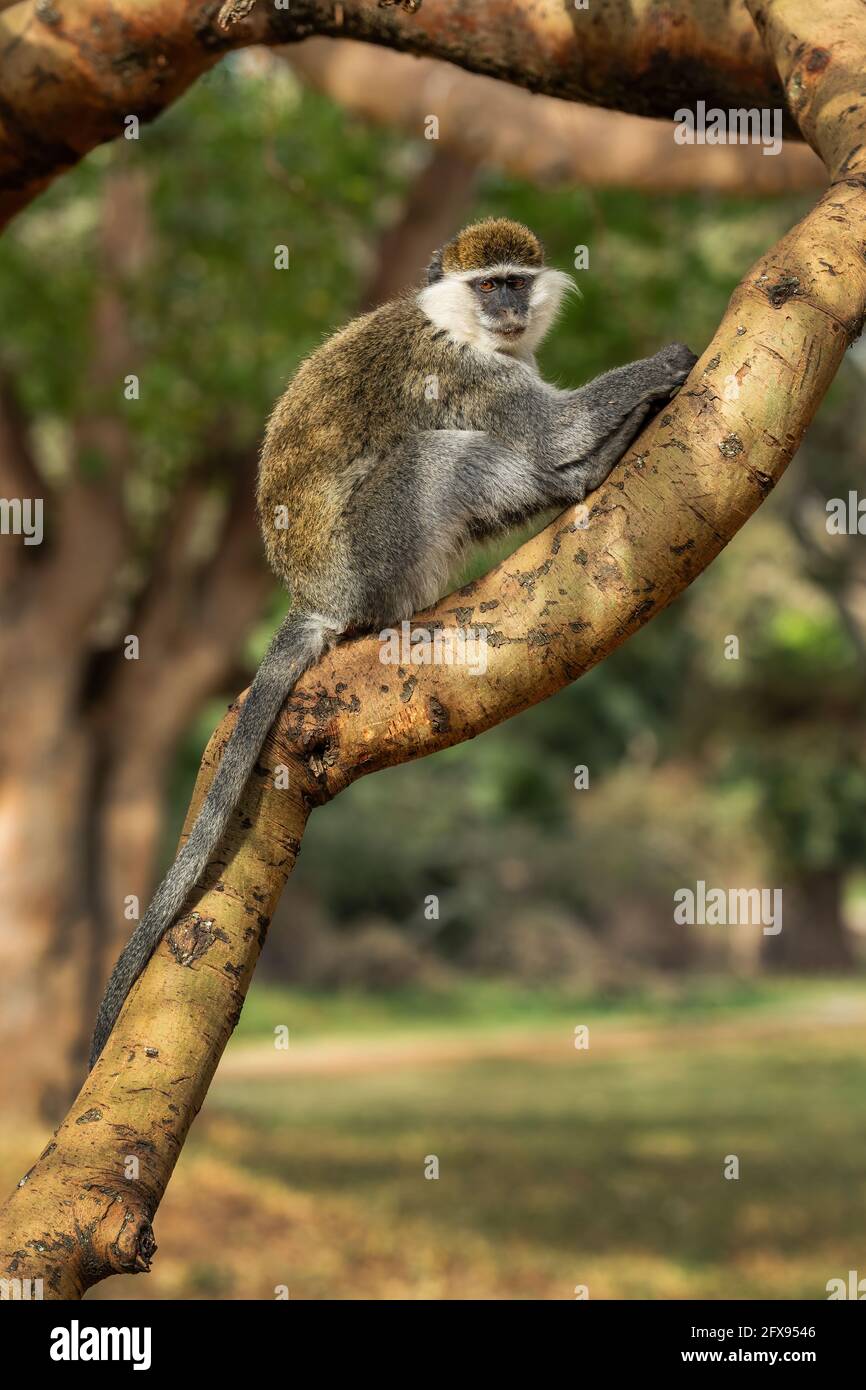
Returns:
(558, 1167)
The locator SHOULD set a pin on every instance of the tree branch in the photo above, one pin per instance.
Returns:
(62, 96)
(553, 610)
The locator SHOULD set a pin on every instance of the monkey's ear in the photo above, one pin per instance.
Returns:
(434, 269)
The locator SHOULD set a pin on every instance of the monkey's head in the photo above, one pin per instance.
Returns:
(489, 286)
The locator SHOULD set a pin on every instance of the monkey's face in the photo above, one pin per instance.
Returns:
(502, 303)
(504, 306)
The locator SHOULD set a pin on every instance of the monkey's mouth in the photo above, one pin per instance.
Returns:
(513, 332)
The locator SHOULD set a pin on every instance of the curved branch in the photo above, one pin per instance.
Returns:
(62, 94)
(554, 609)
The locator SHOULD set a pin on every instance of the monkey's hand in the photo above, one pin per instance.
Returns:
(648, 385)
(675, 362)
(604, 411)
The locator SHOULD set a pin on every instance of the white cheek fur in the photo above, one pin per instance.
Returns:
(450, 304)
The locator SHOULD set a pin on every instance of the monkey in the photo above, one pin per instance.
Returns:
(415, 430)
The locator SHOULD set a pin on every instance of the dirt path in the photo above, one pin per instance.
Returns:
(345, 1056)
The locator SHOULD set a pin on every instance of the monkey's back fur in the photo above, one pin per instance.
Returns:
(347, 428)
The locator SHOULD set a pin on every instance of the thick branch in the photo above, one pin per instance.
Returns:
(62, 96)
(554, 609)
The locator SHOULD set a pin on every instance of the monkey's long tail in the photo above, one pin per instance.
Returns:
(298, 643)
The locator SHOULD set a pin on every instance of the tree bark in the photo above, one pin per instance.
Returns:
(554, 609)
(62, 95)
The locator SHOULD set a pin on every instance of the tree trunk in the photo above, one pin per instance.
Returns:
(814, 936)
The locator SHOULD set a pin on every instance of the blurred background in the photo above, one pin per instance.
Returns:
(450, 923)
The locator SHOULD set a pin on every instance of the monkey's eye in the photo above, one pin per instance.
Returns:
(516, 282)
(486, 286)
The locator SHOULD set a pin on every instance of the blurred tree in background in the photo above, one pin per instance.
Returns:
(155, 258)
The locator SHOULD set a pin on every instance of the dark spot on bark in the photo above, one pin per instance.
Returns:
(646, 607)
(537, 637)
(321, 755)
(579, 625)
(468, 589)
(408, 689)
(144, 1251)
(848, 161)
(151, 1052)
(557, 540)
(785, 288)
(581, 557)
(818, 60)
(463, 615)
(527, 579)
(192, 937)
(666, 419)
(489, 605)
(681, 549)
(764, 481)
(730, 446)
(234, 970)
(713, 363)
(235, 1014)
(89, 1117)
(219, 887)
(439, 716)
